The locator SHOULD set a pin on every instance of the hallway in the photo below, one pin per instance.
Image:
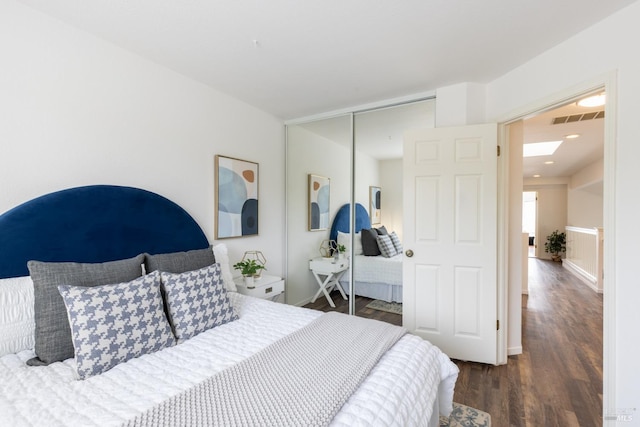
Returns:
(557, 381)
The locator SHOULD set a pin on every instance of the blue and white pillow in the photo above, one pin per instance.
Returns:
(396, 242)
(196, 301)
(387, 249)
(111, 324)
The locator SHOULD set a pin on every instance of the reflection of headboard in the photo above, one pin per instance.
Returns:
(341, 220)
(96, 223)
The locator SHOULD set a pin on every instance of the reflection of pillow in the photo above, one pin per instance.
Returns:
(53, 335)
(179, 262)
(382, 231)
(16, 315)
(370, 242)
(386, 246)
(197, 301)
(222, 258)
(345, 239)
(396, 242)
(111, 324)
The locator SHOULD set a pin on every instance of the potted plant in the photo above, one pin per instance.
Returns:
(342, 249)
(249, 269)
(556, 243)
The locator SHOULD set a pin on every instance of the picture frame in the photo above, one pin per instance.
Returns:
(236, 197)
(319, 190)
(375, 213)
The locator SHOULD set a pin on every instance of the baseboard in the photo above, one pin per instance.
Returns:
(576, 271)
(514, 351)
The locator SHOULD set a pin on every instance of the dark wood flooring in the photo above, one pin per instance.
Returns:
(557, 380)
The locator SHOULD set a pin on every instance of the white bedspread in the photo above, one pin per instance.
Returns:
(377, 269)
(400, 390)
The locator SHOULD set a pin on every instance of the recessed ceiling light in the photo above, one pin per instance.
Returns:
(550, 162)
(592, 101)
(572, 136)
(540, 148)
(536, 176)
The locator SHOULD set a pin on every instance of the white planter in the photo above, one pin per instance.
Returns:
(249, 282)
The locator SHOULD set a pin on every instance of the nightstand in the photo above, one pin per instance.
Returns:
(333, 271)
(266, 287)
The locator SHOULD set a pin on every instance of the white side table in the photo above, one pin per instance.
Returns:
(333, 271)
(266, 287)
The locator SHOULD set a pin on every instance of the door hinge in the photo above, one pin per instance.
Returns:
(498, 150)
(497, 325)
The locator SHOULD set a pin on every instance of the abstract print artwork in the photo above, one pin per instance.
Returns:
(236, 198)
(374, 204)
(319, 189)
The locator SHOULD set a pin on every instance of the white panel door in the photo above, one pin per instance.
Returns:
(450, 231)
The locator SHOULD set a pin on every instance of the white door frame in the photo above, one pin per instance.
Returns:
(608, 81)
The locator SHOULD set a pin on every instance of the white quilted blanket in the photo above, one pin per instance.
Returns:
(400, 390)
(378, 269)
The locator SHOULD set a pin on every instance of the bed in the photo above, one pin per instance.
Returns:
(376, 277)
(231, 366)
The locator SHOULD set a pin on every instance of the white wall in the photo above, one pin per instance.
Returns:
(611, 47)
(76, 111)
(367, 174)
(391, 183)
(552, 212)
(585, 198)
(585, 207)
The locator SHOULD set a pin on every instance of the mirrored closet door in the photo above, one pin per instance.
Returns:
(363, 166)
(318, 185)
(378, 187)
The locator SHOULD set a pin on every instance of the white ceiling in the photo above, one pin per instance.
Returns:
(297, 58)
(573, 154)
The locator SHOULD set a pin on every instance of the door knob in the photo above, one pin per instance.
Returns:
(409, 253)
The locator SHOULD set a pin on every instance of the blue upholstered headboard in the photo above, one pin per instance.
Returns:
(96, 223)
(341, 220)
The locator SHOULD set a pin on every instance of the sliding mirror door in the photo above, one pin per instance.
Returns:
(378, 188)
(318, 185)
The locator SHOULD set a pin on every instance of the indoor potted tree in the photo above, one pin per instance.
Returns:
(249, 269)
(555, 244)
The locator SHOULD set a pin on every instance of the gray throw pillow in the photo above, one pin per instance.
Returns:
(396, 242)
(386, 246)
(370, 242)
(53, 334)
(196, 301)
(111, 324)
(179, 262)
(382, 231)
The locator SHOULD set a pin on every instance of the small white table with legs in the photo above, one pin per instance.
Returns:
(333, 270)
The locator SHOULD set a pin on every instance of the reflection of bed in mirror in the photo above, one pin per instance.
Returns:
(376, 277)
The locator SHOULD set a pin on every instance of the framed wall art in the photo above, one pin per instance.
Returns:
(236, 197)
(374, 204)
(319, 189)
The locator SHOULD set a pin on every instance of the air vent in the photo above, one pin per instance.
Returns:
(578, 117)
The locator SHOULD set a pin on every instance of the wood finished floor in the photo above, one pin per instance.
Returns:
(557, 380)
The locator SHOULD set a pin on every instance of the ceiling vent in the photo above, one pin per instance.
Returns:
(578, 117)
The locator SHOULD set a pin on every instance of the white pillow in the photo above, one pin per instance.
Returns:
(222, 258)
(17, 322)
(345, 239)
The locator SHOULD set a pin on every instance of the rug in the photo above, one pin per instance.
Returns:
(466, 416)
(389, 307)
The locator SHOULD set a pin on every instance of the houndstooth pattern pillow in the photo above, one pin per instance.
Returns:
(396, 242)
(111, 324)
(386, 246)
(196, 300)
